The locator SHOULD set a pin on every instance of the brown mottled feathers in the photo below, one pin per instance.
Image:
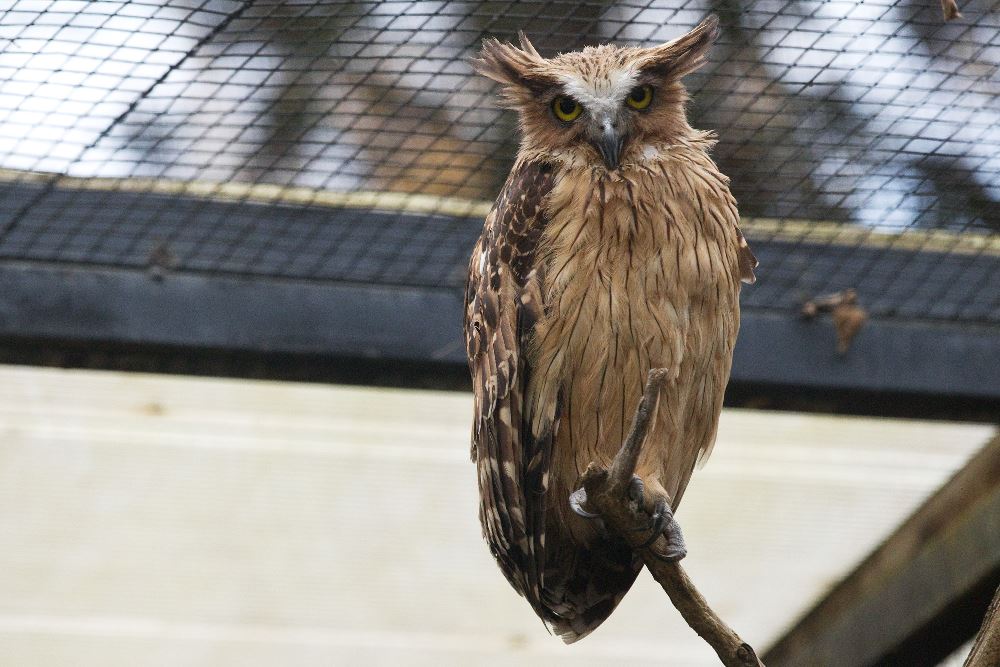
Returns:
(572, 589)
(589, 272)
(503, 303)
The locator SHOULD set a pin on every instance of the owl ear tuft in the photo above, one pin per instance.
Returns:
(684, 54)
(512, 66)
(526, 45)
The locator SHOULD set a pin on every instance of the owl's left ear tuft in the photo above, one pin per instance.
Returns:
(515, 68)
(683, 55)
(526, 45)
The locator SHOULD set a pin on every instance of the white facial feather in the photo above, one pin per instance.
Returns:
(603, 96)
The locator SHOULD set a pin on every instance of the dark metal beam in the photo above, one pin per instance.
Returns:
(220, 312)
(922, 593)
(296, 329)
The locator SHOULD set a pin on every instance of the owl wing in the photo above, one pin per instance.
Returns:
(503, 304)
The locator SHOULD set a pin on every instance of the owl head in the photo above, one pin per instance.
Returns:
(602, 104)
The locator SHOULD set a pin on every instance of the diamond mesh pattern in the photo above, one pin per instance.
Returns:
(349, 141)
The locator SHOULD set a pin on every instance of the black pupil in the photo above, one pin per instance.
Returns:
(639, 94)
(567, 106)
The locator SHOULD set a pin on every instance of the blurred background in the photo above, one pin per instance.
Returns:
(235, 412)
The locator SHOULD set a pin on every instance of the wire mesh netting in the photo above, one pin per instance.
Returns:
(350, 141)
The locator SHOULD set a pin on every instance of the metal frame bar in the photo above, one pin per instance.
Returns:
(392, 335)
(922, 593)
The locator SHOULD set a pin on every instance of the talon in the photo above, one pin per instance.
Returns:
(662, 515)
(636, 489)
(662, 522)
(659, 522)
(676, 549)
(671, 555)
(577, 500)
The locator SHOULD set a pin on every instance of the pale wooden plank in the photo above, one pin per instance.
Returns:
(151, 520)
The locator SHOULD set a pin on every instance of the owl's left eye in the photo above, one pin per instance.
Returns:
(566, 109)
(640, 97)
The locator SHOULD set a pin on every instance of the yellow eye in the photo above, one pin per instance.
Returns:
(640, 97)
(566, 109)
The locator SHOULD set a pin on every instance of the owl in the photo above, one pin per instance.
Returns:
(614, 247)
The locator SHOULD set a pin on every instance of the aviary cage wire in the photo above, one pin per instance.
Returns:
(351, 142)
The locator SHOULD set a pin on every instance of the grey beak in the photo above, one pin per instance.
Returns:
(610, 146)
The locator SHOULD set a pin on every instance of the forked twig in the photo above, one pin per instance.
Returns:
(607, 493)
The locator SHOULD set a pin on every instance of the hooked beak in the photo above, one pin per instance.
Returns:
(609, 145)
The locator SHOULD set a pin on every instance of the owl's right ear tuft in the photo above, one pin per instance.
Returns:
(512, 66)
(684, 54)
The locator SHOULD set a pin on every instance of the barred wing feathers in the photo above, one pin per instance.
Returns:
(503, 303)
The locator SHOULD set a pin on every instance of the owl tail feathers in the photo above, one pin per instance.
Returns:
(572, 630)
(583, 585)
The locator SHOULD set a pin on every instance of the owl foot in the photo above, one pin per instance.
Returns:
(636, 489)
(577, 500)
(662, 521)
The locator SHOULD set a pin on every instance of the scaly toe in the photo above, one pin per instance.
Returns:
(636, 489)
(676, 549)
(577, 500)
(660, 520)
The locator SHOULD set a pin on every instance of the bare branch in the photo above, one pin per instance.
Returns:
(620, 472)
(607, 494)
(986, 650)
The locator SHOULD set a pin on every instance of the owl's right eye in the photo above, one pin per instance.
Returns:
(566, 109)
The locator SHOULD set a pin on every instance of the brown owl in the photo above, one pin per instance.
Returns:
(613, 248)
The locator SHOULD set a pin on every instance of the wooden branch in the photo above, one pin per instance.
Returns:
(986, 650)
(607, 494)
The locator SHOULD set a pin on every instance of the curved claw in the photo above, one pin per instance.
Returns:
(676, 549)
(662, 523)
(672, 555)
(577, 500)
(659, 522)
(636, 489)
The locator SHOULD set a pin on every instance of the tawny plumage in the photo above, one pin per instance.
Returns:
(613, 248)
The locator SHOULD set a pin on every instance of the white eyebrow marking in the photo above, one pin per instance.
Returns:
(603, 95)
